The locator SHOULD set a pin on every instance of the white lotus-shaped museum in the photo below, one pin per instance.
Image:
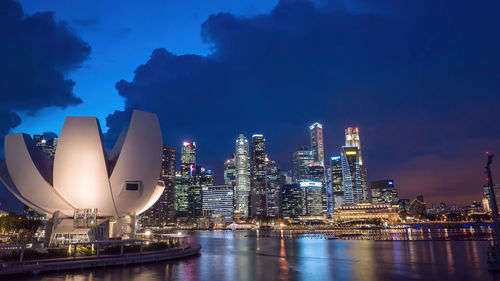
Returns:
(83, 175)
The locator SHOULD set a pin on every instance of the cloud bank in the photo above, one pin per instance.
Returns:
(418, 77)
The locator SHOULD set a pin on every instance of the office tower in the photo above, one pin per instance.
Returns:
(162, 212)
(337, 180)
(218, 200)
(313, 204)
(242, 165)
(182, 185)
(258, 176)
(302, 158)
(291, 201)
(383, 191)
(230, 171)
(273, 191)
(351, 175)
(188, 158)
(316, 132)
(201, 178)
(352, 139)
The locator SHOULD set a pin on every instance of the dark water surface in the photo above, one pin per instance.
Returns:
(228, 255)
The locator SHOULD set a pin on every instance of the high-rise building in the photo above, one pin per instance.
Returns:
(258, 176)
(242, 165)
(201, 178)
(351, 176)
(162, 212)
(292, 201)
(302, 159)
(218, 200)
(383, 191)
(312, 192)
(337, 180)
(352, 139)
(273, 196)
(188, 158)
(182, 185)
(230, 172)
(316, 132)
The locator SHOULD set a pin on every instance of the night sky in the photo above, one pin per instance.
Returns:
(420, 78)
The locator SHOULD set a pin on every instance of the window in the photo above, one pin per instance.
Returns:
(132, 186)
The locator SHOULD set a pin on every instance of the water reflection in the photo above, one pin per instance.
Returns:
(228, 255)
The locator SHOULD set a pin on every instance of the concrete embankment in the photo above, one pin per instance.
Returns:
(39, 266)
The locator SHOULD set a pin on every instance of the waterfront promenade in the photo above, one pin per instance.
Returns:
(70, 263)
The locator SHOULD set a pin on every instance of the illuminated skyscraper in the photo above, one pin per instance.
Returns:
(258, 176)
(242, 165)
(230, 172)
(273, 191)
(188, 158)
(302, 158)
(352, 139)
(336, 180)
(351, 175)
(316, 131)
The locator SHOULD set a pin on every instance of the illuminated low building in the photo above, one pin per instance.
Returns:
(366, 211)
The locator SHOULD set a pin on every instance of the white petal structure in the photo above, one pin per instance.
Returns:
(82, 176)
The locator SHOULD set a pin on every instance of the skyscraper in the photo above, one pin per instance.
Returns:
(258, 176)
(351, 175)
(273, 191)
(230, 172)
(336, 180)
(163, 210)
(291, 201)
(316, 131)
(302, 159)
(242, 165)
(188, 158)
(352, 139)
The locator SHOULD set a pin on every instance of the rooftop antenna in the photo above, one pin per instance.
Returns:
(493, 250)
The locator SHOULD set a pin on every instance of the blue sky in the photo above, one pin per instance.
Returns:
(122, 35)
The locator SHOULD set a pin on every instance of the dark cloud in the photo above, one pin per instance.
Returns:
(418, 77)
(36, 53)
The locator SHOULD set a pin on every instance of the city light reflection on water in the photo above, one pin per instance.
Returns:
(228, 255)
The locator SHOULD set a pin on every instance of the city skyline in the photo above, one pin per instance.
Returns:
(425, 105)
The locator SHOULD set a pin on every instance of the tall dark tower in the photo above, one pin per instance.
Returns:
(258, 176)
(168, 176)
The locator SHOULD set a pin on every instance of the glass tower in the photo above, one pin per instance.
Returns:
(242, 166)
(258, 176)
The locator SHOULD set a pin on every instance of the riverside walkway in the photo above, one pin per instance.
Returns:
(72, 263)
